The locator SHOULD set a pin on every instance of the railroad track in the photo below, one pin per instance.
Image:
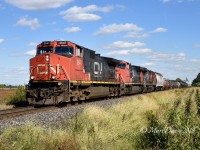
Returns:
(20, 111)
(15, 112)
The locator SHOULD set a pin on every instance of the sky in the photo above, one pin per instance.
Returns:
(162, 35)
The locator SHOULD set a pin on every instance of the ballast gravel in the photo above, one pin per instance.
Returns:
(54, 118)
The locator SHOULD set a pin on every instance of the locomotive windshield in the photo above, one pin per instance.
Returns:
(122, 66)
(64, 50)
(42, 50)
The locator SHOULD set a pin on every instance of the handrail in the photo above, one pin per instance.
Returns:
(66, 75)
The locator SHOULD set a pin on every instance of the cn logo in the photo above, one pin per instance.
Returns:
(97, 68)
(42, 69)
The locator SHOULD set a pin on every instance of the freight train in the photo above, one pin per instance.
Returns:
(63, 71)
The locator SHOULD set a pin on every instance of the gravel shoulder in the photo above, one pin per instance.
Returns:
(54, 118)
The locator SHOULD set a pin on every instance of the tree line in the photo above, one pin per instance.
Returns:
(196, 81)
(8, 86)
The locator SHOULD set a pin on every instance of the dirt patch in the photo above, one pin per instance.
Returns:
(6, 92)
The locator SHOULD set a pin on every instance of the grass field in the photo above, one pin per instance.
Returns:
(161, 120)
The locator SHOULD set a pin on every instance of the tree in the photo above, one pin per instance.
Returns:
(179, 80)
(196, 81)
(2, 85)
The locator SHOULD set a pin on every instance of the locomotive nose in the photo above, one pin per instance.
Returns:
(39, 67)
(44, 67)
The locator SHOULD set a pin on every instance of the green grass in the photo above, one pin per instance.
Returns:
(176, 128)
(30, 137)
(162, 120)
(19, 98)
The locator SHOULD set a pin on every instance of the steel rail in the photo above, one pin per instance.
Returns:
(15, 112)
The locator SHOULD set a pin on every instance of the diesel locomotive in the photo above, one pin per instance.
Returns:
(63, 71)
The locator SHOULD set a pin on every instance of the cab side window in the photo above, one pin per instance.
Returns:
(79, 52)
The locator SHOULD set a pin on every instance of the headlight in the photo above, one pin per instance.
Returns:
(47, 57)
(53, 77)
(32, 77)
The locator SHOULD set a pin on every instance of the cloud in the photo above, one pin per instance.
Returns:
(139, 34)
(32, 23)
(72, 29)
(194, 61)
(128, 52)
(133, 30)
(1, 41)
(38, 4)
(159, 29)
(80, 14)
(185, 69)
(148, 64)
(140, 51)
(167, 57)
(33, 44)
(30, 53)
(136, 34)
(14, 76)
(116, 28)
(122, 44)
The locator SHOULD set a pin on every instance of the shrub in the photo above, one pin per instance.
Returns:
(19, 98)
(155, 136)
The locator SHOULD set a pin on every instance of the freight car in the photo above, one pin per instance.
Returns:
(174, 84)
(183, 84)
(63, 71)
(159, 81)
(166, 84)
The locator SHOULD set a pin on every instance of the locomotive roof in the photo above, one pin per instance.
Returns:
(159, 73)
(112, 60)
(173, 81)
(69, 42)
(81, 46)
(139, 67)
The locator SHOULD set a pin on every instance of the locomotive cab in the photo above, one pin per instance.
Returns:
(123, 72)
(56, 64)
(61, 49)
